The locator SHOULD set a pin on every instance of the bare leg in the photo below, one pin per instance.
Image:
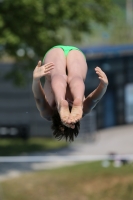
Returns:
(77, 69)
(58, 83)
(58, 80)
(77, 89)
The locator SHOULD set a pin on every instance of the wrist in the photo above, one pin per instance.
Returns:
(104, 85)
(36, 80)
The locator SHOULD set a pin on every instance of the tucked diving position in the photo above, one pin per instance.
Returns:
(62, 98)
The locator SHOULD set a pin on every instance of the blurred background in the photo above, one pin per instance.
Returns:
(103, 30)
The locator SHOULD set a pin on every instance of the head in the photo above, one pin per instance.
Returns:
(61, 131)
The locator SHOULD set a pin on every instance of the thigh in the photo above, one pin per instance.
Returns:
(57, 56)
(76, 64)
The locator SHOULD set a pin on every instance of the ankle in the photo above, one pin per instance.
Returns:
(78, 102)
(62, 103)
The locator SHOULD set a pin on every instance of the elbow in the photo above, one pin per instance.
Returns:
(95, 101)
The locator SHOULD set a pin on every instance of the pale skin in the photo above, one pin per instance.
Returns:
(64, 86)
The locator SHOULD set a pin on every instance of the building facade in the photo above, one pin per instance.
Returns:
(116, 107)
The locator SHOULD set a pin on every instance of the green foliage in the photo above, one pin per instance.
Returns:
(29, 28)
(120, 3)
(16, 146)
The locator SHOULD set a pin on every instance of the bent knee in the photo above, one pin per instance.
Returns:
(74, 78)
(57, 75)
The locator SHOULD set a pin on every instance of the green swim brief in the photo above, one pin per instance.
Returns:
(66, 49)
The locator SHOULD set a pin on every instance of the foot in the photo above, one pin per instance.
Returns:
(64, 111)
(76, 112)
(72, 126)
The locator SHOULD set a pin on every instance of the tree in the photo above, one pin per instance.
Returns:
(28, 28)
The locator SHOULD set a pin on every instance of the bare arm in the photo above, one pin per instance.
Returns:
(93, 98)
(38, 92)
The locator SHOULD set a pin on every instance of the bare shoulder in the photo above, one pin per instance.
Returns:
(46, 111)
(46, 116)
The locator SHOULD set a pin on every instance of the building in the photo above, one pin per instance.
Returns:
(116, 107)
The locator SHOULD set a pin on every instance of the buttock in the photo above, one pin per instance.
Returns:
(66, 49)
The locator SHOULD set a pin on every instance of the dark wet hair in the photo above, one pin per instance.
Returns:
(61, 131)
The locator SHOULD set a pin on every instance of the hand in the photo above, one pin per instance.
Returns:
(102, 76)
(43, 70)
